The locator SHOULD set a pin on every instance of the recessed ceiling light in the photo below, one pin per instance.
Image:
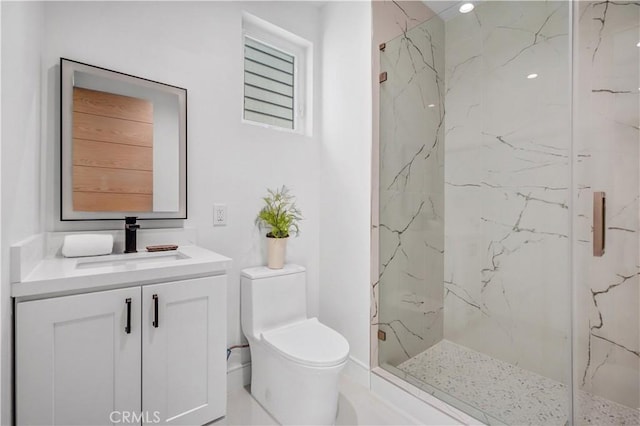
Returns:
(638, 44)
(431, 105)
(532, 76)
(466, 8)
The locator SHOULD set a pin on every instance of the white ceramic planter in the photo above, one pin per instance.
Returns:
(276, 250)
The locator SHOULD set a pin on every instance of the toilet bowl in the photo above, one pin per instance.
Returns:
(295, 360)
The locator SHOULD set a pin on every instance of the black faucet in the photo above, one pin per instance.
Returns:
(130, 228)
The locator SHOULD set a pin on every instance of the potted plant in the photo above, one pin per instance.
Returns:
(281, 216)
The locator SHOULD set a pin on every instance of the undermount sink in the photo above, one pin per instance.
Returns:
(55, 275)
(130, 260)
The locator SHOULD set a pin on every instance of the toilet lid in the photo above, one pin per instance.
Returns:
(309, 342)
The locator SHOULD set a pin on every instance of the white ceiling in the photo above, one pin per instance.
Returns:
(439, 6)
(447, 9)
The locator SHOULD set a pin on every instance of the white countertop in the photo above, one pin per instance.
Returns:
(57, 276)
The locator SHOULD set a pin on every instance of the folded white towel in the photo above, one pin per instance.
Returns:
(87, 245)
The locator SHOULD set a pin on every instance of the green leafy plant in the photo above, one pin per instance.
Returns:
(280, 213)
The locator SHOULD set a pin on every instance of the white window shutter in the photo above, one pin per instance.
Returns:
(268, 85)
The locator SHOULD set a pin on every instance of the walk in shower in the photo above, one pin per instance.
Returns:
(499, 128)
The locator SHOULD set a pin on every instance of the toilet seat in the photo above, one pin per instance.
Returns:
(309, 343)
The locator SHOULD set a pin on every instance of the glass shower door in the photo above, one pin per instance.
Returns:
(607, 158)
(475, 220)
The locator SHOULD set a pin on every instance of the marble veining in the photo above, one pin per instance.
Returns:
(486, 197)
(507, 180)
(391, 19)
(607, 117)
(411, 228)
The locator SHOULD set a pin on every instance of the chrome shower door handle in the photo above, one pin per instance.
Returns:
(599, 204)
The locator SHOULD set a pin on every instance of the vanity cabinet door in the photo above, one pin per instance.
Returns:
(183, 350)
(77, 362)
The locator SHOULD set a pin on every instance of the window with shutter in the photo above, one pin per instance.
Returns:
(269, 84)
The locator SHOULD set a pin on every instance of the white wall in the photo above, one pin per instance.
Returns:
(20, 153)
(345, 214)
(198, 46)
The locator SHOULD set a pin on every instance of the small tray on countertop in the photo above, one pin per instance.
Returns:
(162, 247)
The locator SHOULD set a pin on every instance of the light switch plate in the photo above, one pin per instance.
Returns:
(219, 215)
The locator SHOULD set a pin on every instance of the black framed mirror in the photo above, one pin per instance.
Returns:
(123, 145)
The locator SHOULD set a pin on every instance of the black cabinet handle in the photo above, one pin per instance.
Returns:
(127, 328)
(155, 310)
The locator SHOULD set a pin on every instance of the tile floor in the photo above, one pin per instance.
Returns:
(507, 392)
(357, 406)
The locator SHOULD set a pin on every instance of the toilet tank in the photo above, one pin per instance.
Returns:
(271, 298)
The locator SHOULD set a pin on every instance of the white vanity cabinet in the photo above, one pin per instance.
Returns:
(156, 350)
(184, 365)
(75, 363)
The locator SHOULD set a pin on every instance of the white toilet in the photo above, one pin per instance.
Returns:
(295, 360)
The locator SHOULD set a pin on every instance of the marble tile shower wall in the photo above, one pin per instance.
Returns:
(606, 138)
(507, 179)
(411, 228)
(502, 158)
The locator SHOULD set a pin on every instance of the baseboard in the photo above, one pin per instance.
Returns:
(238, 377)
(357, 371)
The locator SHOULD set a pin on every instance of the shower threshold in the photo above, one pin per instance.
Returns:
(506, 392)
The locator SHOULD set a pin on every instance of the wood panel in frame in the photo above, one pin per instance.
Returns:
(95, 120)
(112, 152)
